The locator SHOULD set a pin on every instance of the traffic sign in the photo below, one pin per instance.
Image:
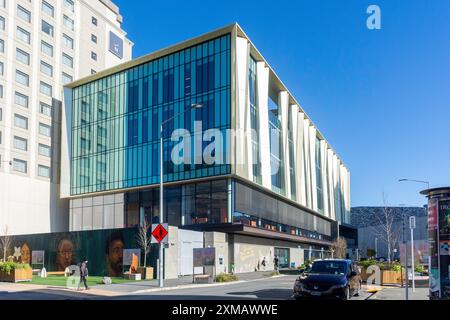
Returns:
(412, 222)
(160, 233)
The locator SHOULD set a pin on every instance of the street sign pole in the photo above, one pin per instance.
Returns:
(412, 226)
(405, 242)
(161, 210)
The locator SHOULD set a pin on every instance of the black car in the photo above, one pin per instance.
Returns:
(334, 278)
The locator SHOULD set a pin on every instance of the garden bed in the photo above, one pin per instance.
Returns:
(16, 275)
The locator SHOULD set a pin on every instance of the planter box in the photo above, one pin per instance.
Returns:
(386, 276)
(391, 277)
(17, 275)
(146, 273)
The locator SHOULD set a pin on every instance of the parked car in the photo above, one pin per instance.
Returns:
(334, 278)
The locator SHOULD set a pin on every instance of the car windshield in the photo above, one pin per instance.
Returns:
(329, 267)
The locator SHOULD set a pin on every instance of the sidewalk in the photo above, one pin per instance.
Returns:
(171, 284)
(114, 290)
(397, 293)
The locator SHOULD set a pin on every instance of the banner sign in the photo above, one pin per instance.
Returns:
(204, 257)
(37, 257)
(128, 256)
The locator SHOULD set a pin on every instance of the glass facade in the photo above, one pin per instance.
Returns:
(254, 118)
(257, 209)
(116, 120)
(187, 204)
(276, 152)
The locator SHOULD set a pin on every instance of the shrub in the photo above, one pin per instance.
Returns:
(226, 277)
(274, 273)
(7, 267)
(367, 263)
(419, 268)
(396, 267)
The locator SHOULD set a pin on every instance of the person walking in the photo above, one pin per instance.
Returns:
(83, 274)
(275, 262)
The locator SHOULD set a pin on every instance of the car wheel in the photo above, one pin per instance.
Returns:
(346, 295)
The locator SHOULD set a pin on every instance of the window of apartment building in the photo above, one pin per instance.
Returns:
(48, 8)
(43, 171)
(46, 89)
(47, 28)
(22, 56)
(1, 114)
(45, 109)
(66, 78)
(20, 143)
(69, 5)
(94, 56)
(45, 130)
(2, 46)
(67, 60)
(68, 41)
(2, 68)
(19, 165)
(94, 38)
(3, 3)
(47, 48)
(1, 91)
(69, 23)
(22, 78)
(2, 23)
(23, 35)
(23, 14)
(46, 69)
(21, 99)
(93, 71)
(94, 21)
(20, 121)
(0, 142)
(44, 150)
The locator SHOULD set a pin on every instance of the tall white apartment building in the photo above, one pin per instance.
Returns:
(45, 44)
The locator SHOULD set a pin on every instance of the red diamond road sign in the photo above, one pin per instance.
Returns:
(159, 233)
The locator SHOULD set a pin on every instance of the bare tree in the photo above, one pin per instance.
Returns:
(144, 240)
(384, 229)
(339, 248)
(5, 242)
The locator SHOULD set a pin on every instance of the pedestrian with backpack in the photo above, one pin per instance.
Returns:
(83, 274)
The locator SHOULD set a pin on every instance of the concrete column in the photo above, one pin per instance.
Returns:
(307, 160)
(262, 82)
(312, 155)
(300, 162)
(230, 200)
(242, 109)
(283, 105)
(331, 193)
(293, 113)
(324, 158)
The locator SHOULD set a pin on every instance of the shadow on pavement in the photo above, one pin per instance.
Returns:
(266, 293)
(44, 294)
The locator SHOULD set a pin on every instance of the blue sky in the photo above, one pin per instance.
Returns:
(381, 98)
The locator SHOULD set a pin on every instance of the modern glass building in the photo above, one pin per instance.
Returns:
(274, 177)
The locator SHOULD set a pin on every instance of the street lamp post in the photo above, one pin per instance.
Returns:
(406, 257)
(418, 181)
(161, 186)
(411, 222)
